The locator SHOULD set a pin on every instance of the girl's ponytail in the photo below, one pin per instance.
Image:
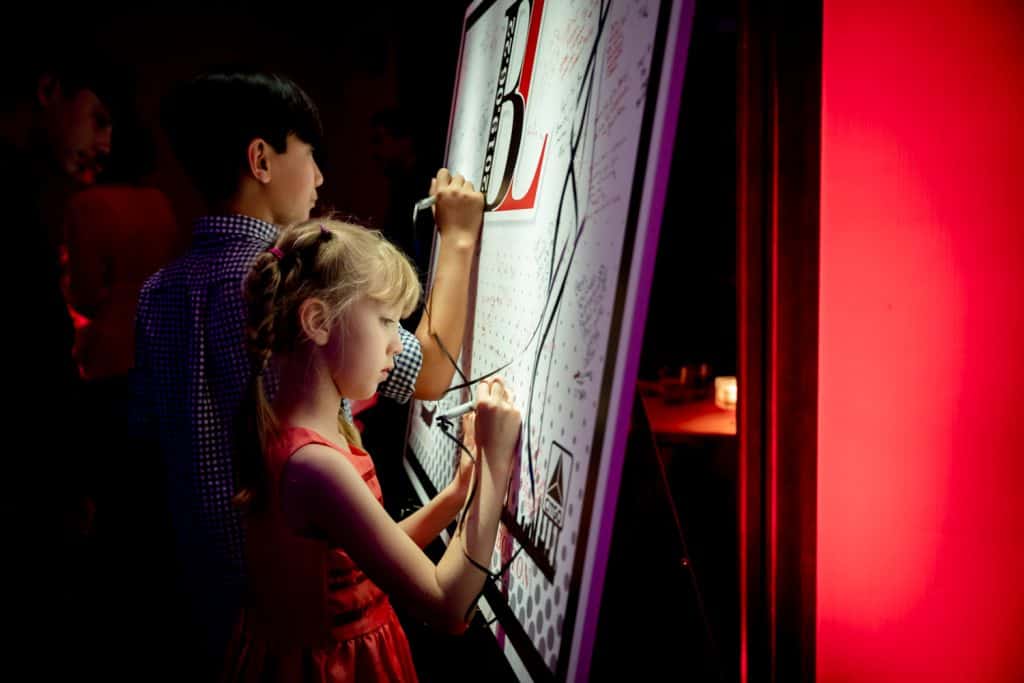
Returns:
(256, 420)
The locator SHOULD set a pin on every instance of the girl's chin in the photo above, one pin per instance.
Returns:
(362, 395)
(357, 393)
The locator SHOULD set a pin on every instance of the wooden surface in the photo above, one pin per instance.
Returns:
(672, 420)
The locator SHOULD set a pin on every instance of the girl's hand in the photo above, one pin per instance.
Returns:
(464, 475)
(497, 423)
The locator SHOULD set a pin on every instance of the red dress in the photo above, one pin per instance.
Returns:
(313, 615)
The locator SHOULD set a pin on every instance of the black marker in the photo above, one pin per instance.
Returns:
(458, 411)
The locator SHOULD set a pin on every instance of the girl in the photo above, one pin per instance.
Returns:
(323, 553)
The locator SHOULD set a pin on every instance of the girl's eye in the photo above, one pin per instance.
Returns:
(389, 321)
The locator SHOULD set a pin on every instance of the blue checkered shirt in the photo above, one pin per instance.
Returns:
(191, 371)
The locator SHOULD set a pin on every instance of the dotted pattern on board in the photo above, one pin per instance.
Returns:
(553, 354)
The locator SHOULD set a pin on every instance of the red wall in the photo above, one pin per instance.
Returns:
(921, 435)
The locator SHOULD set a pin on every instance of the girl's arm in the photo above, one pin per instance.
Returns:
(326, 491)
(424, 525)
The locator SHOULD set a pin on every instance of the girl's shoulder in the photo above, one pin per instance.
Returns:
(310, 457)
(290, 438)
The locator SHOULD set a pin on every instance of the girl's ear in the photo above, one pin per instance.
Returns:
(314, 319)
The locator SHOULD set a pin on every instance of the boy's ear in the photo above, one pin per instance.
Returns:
(258, 156)
(314, 320)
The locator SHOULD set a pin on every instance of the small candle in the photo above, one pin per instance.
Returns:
(726, 392)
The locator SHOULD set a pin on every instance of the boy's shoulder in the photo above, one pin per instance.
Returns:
(209, 261)
(212, 270)
(198, 274)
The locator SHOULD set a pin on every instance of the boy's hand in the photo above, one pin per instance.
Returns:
(459, 212)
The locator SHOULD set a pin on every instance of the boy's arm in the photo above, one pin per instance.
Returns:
(459, 217)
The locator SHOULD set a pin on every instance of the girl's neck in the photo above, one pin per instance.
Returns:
(306, 395)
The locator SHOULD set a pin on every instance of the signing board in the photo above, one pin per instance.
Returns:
(564, 114)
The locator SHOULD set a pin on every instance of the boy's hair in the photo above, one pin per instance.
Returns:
(337, 262)
(211, 119)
